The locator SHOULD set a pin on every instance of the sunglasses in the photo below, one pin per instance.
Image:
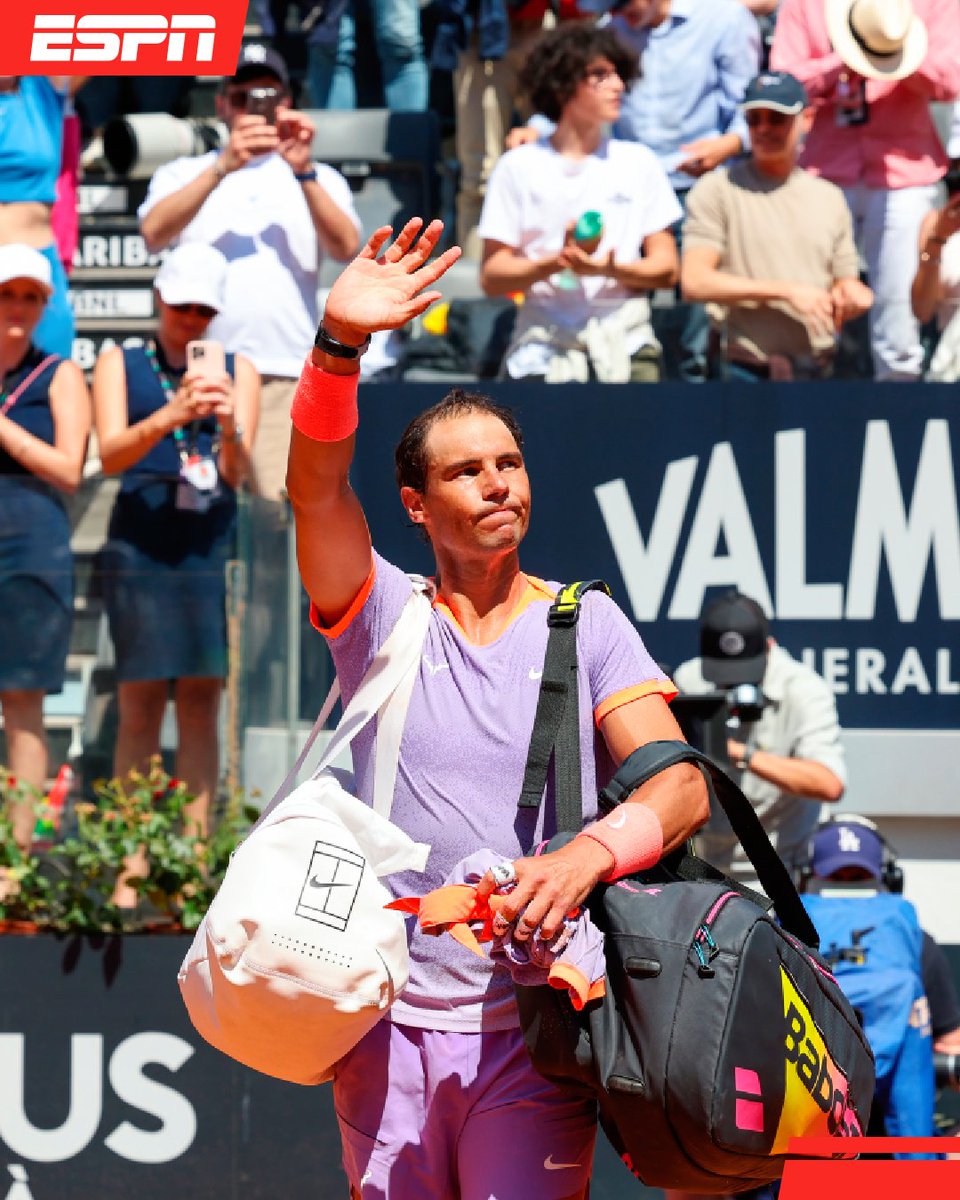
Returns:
(757, 116)
(195, 310)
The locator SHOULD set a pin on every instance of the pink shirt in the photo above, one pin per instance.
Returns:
(898, 146)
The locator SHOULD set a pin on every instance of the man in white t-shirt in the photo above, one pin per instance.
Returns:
(273, 213)
(585, 313)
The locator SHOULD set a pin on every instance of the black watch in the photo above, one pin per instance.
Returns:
(329, 345)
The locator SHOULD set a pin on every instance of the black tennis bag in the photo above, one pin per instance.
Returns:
(722, 1034)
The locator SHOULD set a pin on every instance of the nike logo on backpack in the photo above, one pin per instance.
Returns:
(552, 1166)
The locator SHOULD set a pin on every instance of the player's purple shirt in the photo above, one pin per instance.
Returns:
(463, 755)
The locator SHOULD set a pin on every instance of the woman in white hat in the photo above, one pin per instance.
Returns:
(44, 423)
(180, 437)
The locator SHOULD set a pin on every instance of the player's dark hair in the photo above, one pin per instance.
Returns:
(410, 456)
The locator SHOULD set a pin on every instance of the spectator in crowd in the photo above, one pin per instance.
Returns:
(44, 422)
(272, 212)
(872, 939)
(333, 46)
(180, 439)
(696, 59)
(789, 757)
(770, 248)
(936, 286)
(454, 1031)
(31, 149)
(871, 68)
(485, 46)
(585, 312)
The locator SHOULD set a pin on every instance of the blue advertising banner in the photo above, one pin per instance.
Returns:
(834, 505)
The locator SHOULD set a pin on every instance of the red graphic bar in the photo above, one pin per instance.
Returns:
(121, 37)
(829, 1147)
(871, 1179)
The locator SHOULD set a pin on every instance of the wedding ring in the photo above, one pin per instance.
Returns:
(500, 924)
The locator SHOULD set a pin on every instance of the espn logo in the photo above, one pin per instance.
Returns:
(65, 37)
(104, 37)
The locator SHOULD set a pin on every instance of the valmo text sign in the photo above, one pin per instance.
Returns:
(122, 37)
(835, 506)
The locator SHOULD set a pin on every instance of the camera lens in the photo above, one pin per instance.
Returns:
(135, 145)
(745, 701)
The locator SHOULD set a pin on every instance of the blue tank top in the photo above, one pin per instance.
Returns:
(31, 411)
(31, 140)
(145, 395)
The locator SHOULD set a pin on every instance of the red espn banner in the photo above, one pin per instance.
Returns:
(121, 37)
(871, 1179)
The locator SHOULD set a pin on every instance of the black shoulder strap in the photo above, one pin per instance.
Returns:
(654, 757)
(556, 727)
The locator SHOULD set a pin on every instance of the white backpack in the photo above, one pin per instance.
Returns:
(297, 958)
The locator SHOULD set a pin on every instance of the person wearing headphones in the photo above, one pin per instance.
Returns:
(871, 937)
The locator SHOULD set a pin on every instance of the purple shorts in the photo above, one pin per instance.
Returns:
(439, 1115)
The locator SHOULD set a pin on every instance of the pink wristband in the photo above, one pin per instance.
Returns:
(325, 405)
(633, 835)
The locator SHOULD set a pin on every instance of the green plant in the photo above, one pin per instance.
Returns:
(24, 888)
(142, 816)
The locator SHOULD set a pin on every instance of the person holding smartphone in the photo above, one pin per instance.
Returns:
(176, 420)
(273, 213)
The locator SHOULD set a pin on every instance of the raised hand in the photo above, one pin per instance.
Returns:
(384, 291)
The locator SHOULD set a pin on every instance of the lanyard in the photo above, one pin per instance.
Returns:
(185, 450)
(10, 401)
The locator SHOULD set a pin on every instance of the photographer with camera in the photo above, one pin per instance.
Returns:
(783, 733)
(272, 212)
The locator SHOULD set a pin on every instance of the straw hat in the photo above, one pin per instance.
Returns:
(879, 39)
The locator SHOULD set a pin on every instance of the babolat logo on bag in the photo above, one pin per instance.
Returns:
(812, 1076)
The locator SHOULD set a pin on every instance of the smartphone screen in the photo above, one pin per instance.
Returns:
(206, 358)
(264, 101)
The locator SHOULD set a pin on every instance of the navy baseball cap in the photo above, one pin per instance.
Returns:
(846, 844)
(733, 640)
(777, 90)
(258, 59)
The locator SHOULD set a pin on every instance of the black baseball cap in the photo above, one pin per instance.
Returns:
(777, 90)
(733, 640)
(258, 59)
